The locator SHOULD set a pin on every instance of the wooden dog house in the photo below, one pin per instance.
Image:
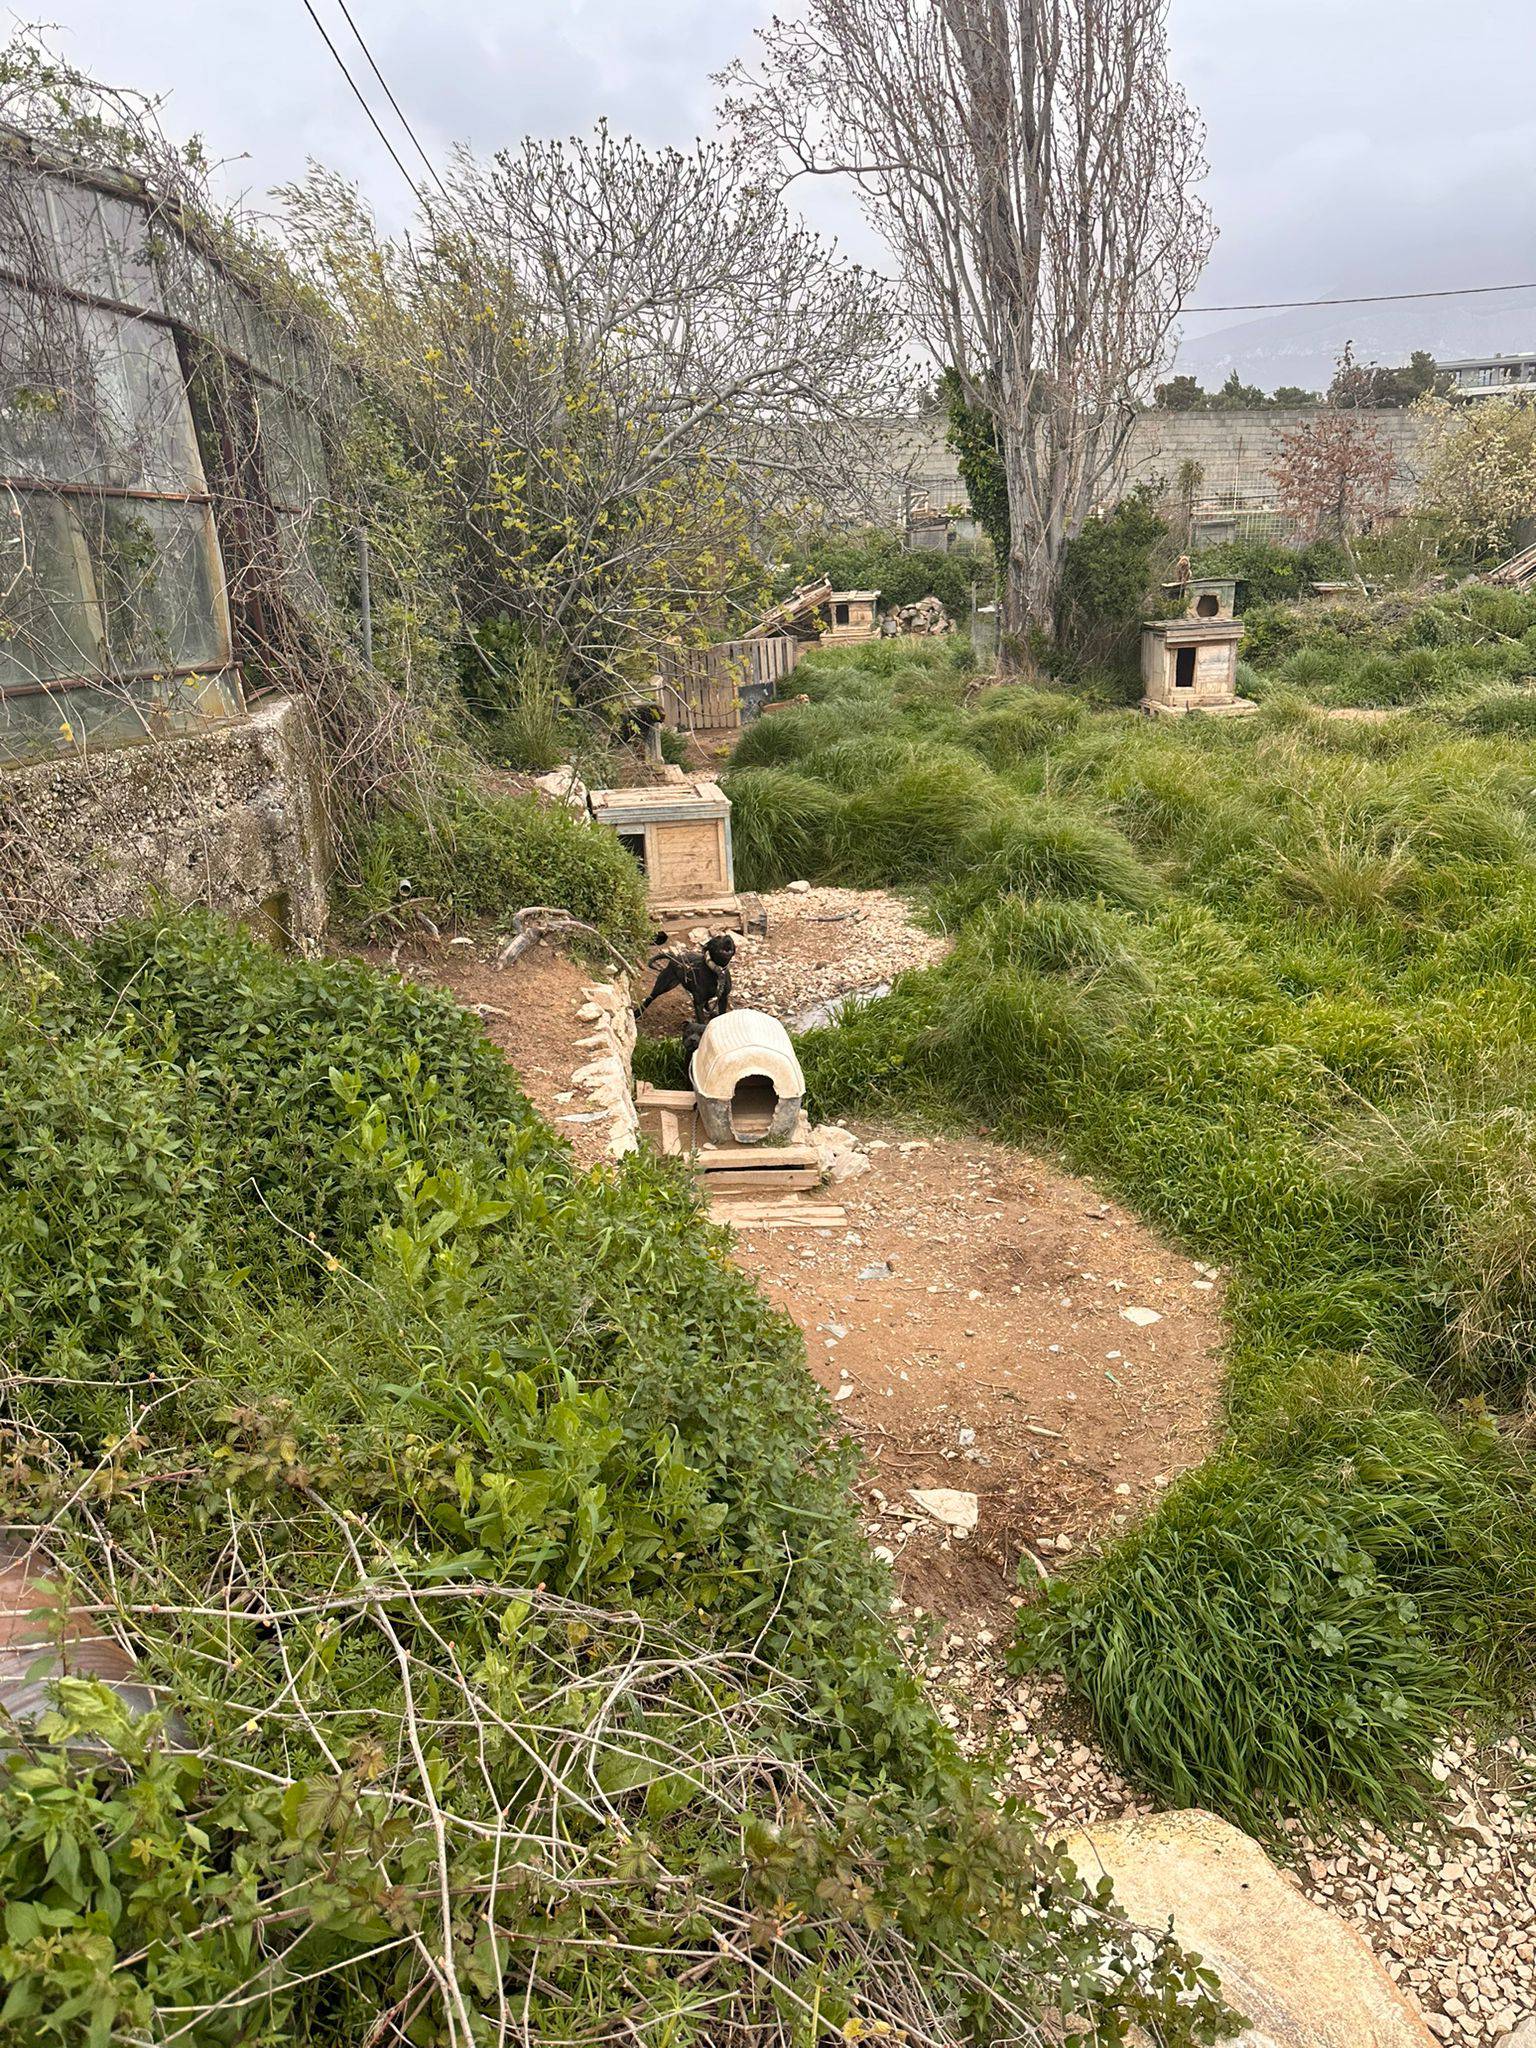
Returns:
(850, 617)
(680, 836)
(1211, 597)
(1190, 665)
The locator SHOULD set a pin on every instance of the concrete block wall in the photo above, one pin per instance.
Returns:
(1237, 450)
(231, 816)
(1241, 448)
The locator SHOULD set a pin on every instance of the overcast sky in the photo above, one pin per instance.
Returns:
(1355, 145)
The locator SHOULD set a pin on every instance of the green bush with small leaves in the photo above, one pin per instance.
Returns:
(477, 1532)
(470, 857)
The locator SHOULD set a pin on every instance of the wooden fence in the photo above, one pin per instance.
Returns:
(712, 689)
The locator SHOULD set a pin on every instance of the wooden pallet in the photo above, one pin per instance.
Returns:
(668, 1118)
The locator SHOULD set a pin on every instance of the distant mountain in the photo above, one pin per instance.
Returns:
(1301, 347)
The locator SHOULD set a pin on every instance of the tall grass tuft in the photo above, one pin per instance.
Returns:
(1045, 848)
(1296, 1638)
(782, 825)
(1012, 722)
(915, 825)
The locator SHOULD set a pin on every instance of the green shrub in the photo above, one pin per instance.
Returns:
(1296, 1637)
(1269, 572)
(471, 856)
(476, 1517)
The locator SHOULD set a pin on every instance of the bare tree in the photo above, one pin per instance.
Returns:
(1333, 475)
(1031, 163)
(619, 365)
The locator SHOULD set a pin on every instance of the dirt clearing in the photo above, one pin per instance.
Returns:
(991, 1325)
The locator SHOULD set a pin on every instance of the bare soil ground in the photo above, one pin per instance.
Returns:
(990, 1324)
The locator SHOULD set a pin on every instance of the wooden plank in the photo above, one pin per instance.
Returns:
(745, 1156)
(788, 1180)
(647, 1097)
(791, 1214)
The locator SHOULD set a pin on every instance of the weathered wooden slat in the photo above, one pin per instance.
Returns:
(788, 1180)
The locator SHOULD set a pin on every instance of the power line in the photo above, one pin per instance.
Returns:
(1467, 291)
(357, 95)
(389, 95)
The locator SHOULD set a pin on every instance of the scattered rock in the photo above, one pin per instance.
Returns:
(1299, 1976)
(959, 1512)
(1143, 1318)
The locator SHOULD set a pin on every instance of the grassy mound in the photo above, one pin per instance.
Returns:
(514, 1646)
(1269, 980)
(474, 856)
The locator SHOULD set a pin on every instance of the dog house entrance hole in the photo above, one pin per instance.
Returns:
(1207, 605)
(1184, 668)
(754, 1103)
(840, 615)
(633, 844)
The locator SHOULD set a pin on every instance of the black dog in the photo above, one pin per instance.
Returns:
(705, 974)
(635, 721)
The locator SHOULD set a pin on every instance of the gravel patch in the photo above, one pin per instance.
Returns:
(823, 944)
(1450, 1910)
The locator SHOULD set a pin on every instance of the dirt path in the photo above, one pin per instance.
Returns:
(989, 1324)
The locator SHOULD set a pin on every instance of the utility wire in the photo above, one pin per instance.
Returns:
(1466, 291)
(389, 95)
(357, 95)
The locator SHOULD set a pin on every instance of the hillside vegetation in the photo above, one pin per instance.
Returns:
(520, 1669)
(1270, 979)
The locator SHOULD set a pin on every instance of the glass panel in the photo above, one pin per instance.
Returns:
(26, 233)
(140, 424)
(42, 368)
(61, 720)
(157, 575)
(49, 622)
(293, 461)
(80, 239)
(131, 236)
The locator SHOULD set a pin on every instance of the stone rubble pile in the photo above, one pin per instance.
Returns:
(826, 943)
(927, 616)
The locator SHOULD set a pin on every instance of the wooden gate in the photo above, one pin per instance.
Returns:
(711, 689)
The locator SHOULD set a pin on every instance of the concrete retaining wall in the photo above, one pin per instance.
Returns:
(232, 817)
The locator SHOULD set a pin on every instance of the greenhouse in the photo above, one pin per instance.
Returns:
(160, 459)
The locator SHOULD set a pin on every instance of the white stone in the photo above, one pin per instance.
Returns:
(1299, 1976)
(1143, 1318)
(959, 1512)
(798, 888)
(846, 1166)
